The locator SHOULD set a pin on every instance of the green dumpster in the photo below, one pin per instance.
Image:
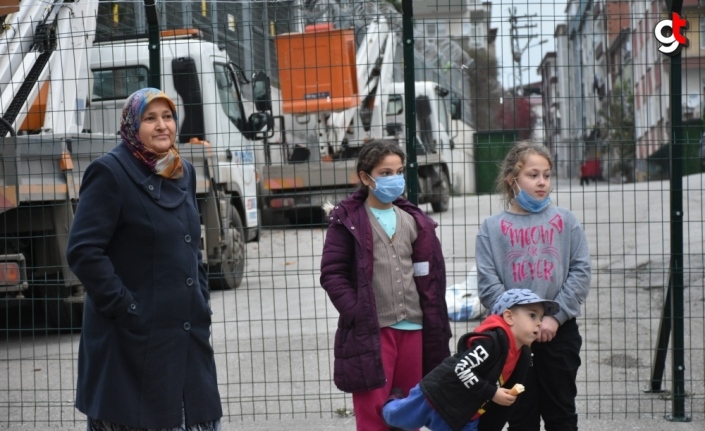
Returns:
(490, 149)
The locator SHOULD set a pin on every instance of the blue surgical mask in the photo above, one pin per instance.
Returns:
(530, 203)
(388, 189)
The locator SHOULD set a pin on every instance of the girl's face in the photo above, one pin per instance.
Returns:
(534, 178)
(390, 165)
(157, 126)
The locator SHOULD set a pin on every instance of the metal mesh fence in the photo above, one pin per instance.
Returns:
(583, 77)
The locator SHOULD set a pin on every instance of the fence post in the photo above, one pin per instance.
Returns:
(412, 168)
(676, 204)
(155, 72)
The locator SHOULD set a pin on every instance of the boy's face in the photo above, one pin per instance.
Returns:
(525, 321)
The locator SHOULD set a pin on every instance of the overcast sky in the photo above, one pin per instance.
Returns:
(548, 15)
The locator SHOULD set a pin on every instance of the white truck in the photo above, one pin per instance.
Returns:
(205, 86)
(57, 115)
(319, 166)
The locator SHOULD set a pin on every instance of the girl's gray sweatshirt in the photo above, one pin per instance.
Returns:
(546, 252)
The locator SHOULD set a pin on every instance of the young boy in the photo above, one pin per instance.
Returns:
(478, 379)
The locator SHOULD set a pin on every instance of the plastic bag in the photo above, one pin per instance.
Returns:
(463, 301)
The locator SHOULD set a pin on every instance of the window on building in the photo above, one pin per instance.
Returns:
(475, 33)
(627, 51)
(637, 97)
(442, 29)
(118, 19)
(702, 32)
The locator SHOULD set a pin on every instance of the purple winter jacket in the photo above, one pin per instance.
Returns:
(346, 275)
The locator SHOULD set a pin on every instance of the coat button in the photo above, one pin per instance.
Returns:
(150, 187)
(189, 281)
(133, 307)
(187, 326)
(187, 238)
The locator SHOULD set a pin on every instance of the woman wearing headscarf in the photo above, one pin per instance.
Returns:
(145, 360)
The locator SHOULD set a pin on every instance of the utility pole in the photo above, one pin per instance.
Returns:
(520, 42)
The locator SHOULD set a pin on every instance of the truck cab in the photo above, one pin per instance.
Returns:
(61, 110)
(204, 86)
(432, 119)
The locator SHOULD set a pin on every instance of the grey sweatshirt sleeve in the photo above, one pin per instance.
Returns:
(489, 284)
(577, 283)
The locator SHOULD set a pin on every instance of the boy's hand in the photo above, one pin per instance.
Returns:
(503, 397)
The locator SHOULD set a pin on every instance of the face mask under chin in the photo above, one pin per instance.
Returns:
(529, 203)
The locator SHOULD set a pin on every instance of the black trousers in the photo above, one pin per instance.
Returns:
(550, 384)
(550, 388)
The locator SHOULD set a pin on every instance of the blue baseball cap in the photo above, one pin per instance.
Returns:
(513, 297)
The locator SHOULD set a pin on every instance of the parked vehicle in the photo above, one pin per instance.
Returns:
(54, 124)
(341, 97)
(205, 86)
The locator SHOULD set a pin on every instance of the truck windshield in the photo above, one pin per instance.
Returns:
(229, 95)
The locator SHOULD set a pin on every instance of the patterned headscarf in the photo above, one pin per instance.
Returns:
(166, 164)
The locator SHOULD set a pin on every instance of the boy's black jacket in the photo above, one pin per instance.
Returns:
(457, 395)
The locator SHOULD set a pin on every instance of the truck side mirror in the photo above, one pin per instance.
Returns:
(394, 129)
(261, 125)
(456, 109)
(262, 91)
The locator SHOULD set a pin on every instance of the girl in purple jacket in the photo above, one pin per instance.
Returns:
(383, 269)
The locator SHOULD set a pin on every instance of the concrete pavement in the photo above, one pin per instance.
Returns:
(348, 424)
(619, 324)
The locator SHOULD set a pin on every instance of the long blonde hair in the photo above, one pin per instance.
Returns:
(512, 164)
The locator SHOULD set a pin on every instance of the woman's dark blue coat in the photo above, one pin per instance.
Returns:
(144, 350)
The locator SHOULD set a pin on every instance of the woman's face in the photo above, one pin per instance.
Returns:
(157, 126)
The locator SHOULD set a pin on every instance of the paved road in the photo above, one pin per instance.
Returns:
(273, 336)
(642, 424)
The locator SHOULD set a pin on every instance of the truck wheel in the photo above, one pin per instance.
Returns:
(229, 273)
(60, 314)
(441, 200)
